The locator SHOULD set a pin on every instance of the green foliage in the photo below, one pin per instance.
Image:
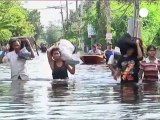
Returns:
(53, 33)
(34, 18)
(151, 24)
(5, 34)
(13, 20)
(121, 10)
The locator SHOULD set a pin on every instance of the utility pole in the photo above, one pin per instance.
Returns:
(136, 16)
(62, 20)
(76, 5)
(108, 22)
(67, 10)
(80, 23)
(66, 25)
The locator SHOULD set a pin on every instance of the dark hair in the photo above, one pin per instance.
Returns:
(126, 42)
(11, 44)
(150, 47)
(55, 49)
(94, 46)
(98, 44)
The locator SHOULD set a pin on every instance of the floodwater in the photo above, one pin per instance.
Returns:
(92, 94)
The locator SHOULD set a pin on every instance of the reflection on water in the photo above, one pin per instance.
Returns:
(91, 94)
(131, 93)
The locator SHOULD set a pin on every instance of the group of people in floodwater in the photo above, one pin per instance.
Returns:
(128, 62)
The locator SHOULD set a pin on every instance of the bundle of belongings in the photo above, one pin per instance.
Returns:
(25, 52)
(67, 49)
(116, 53)
(113, 59)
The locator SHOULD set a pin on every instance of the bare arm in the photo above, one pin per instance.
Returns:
(117, 73)
(141, 71)
(71, 68)
(50, 60)
(112, 68)
(110, 64)
(139, 51)
(141, 74)
(32, 52)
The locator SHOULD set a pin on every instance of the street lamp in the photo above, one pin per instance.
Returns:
(143, 12)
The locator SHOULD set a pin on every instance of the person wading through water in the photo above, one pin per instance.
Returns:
(17, 64)
(58, 66)
(128, 64)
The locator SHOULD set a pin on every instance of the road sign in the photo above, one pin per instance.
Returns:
(91, 30)
(108, 36)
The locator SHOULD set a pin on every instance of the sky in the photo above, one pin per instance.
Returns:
(49, 15)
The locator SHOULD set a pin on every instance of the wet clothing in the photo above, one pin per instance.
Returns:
(150, 69)
(60, 72)
(129, 69)
(113, 59)
(18, 66)
(108, 53)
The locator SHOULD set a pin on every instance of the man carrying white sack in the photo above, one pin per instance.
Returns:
(67, 49)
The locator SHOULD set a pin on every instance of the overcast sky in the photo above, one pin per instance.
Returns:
(48, 15)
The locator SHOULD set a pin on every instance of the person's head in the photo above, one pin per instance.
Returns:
(151, 51)
(109, 45)
(94, 47)
(99, 46)
(131, 50)
(55, 53)
(15, 45)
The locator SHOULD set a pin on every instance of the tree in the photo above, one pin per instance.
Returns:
(94, 13)
(13, 20)
(34, 18)
(53, 33)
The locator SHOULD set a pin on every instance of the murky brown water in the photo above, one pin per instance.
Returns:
(92, 94)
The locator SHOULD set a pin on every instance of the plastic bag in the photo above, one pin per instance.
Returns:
(24, 54)
(66, 49)
(117, 53)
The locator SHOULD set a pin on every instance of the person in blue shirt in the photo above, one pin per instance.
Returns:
(3, 52)
(108, 52)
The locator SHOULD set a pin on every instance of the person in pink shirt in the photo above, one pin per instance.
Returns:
(150, 66)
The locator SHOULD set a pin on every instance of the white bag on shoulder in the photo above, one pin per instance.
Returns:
(66, 49)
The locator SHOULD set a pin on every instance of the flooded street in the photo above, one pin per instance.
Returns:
(92, 94)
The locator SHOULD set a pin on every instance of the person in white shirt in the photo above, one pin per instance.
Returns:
(94, 51)
(113, 59)
(18, 65)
